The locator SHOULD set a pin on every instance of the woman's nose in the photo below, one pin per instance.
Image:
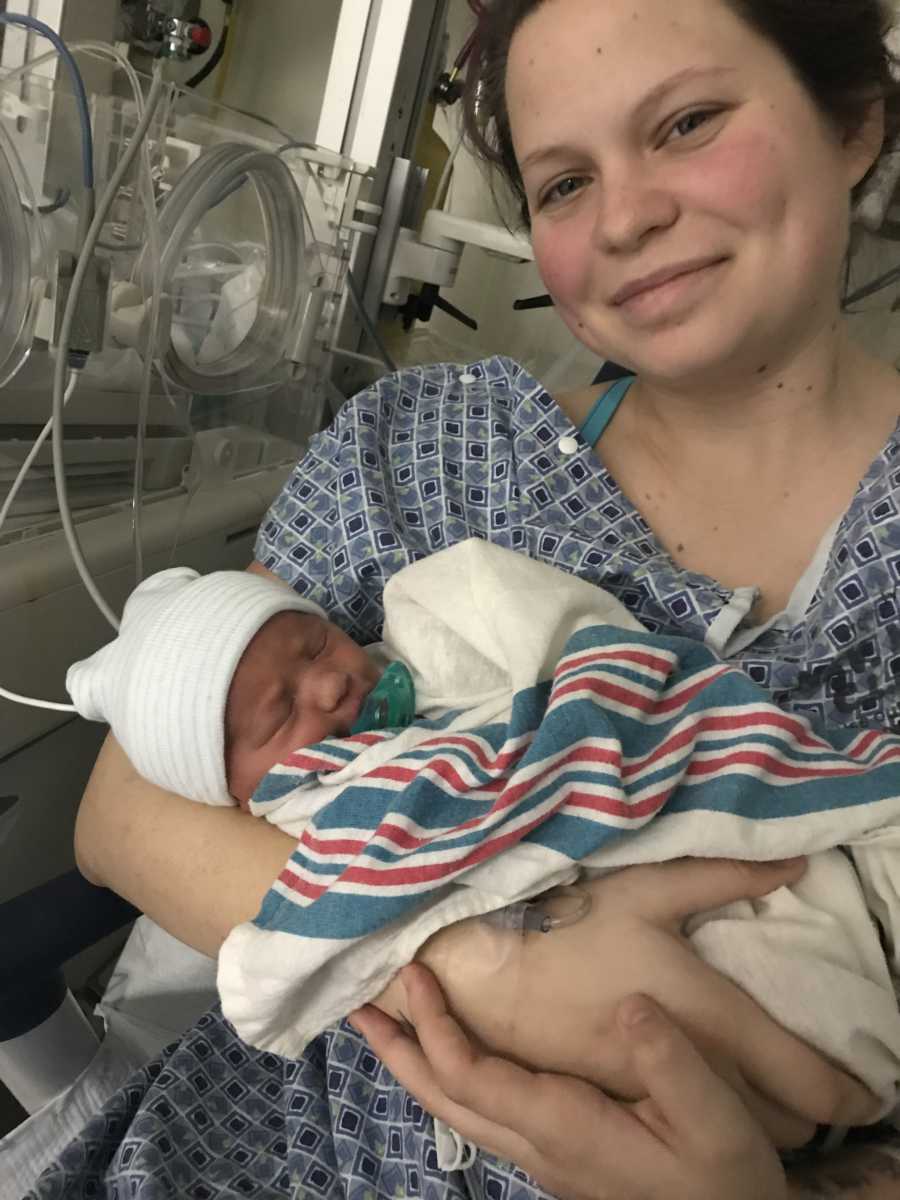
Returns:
(632, 204)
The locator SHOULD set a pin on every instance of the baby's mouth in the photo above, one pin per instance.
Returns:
(353, 699)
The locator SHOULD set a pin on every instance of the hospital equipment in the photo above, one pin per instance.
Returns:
(544, 913)
(200, 290)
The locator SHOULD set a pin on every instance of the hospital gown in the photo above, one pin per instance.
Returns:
(421, 460)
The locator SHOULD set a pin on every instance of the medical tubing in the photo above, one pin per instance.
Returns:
(443, 186)
(31, 701)
(531, 916)
(23, 261)
(32, 455)
(199, 189)
(65, 333)
(153, 239)
(100, 49)
(81, 101)
(368, 323)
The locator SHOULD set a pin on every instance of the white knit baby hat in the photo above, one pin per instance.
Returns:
(163, 683)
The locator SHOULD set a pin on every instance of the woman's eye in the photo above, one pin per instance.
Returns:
(691, 122)
(563, 189)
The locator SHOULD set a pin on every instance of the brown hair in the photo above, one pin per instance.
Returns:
(835, 47)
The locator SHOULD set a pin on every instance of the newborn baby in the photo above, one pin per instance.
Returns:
(300, 680)
(214, 679)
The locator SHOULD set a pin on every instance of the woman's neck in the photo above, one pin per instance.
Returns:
(811, 395)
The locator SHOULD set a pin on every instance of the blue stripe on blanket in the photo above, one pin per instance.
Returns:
(632, 725)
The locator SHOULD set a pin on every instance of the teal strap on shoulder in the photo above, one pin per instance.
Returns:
(594, 425)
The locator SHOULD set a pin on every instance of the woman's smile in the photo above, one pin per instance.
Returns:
(672, 296)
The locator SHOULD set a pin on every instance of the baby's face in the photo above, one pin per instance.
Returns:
(300, 680)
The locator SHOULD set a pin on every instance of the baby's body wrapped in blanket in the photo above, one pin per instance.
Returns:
(559, 738)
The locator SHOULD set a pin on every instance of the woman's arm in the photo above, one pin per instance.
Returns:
(196, 870)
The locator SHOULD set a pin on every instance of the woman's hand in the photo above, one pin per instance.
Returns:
(690, 1139)
(567, 1132)
(550, 1002)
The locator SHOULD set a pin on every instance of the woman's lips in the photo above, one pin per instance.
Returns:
(662, 276)
(666, 292)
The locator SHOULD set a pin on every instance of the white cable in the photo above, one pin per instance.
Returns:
(444, 182)
(153, 240)
(100, 49)
(32, 455)
(65, 333)
(4, 513)
(30, 702)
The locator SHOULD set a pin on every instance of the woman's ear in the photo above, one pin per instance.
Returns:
(864, 144)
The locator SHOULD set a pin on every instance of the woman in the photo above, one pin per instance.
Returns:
(687, 172)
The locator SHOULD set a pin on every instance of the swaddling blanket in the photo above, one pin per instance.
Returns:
(560, 737)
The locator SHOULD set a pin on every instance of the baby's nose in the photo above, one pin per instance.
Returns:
(323, 687)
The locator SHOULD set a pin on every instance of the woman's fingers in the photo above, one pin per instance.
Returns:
(776, 1063)
(693, 885)
(692, 1137)
(466, 1077)
(689, 1108)
(406, 1059)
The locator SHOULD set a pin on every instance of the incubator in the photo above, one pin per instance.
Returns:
(201, 343)
(227, 277)
(213, 334)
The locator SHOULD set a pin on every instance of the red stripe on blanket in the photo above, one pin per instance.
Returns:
(640, 658)
(768, 761)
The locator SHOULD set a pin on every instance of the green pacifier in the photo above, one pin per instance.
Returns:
(391, 704)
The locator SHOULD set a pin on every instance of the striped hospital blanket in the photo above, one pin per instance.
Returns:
(639, 748)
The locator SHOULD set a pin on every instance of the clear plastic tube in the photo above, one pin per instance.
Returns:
(65, 53)
(23, 262)
(544, 913)
(101, 50)
(31, 701)
(60, 366)
(214, 175)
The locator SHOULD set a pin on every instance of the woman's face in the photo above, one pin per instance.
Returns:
(689, 201)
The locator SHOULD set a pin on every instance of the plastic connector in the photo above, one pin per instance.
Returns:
(89, 326)
(544, 913)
